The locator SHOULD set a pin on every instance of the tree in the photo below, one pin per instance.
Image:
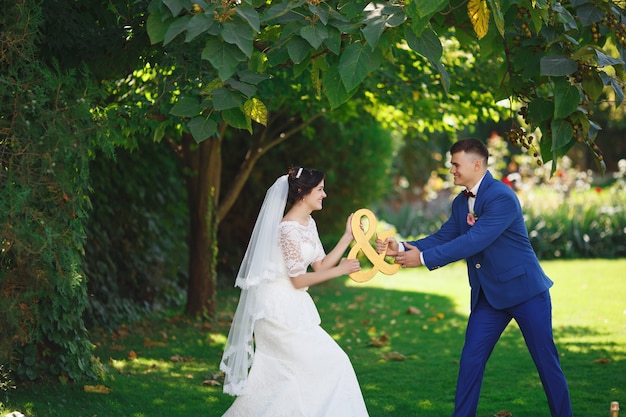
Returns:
(46, 136)
(555, 61)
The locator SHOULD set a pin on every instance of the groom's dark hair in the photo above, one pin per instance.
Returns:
(471, 145)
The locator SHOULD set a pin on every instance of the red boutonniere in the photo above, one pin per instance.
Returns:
(472, 218)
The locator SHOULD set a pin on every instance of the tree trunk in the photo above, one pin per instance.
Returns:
(202, 183)
(204, 164)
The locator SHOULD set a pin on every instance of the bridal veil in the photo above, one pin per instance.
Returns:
(262, 261)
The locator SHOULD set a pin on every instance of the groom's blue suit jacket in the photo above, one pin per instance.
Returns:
(500, 259)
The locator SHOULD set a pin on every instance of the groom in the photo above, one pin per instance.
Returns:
(487, 229)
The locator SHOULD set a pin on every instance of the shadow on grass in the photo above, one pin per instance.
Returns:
(169, 367)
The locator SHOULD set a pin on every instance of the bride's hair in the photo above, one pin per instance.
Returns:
(302, 181)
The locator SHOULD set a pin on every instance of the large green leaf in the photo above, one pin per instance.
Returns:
(186, 107)
(224, 98)
(604, 60)
(592, 85)
(250, 15)
(539, 110)
(378, 16)
(202, 128)
(333, 41)
(427, 8)
(589, 13)
(619, 92)
(564, 16)
(298, 49)
(252, 77)
(372, 32)
(557, 65)
(314, 34)
(420, 13)
(566, 98)
(200, 23)
(157, 27)
(355, 63)
(175, 6)
(246, 89)
(547, 154)
(280, 9)
(538, 15)
(334, 88)
(176, 28)
(429, 46)
(239, 34)
(237, 119)
(443, 73)
(223, 56)
(322, 13)
(562, 133)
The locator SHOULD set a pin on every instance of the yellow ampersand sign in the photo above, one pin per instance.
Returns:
(363, 244)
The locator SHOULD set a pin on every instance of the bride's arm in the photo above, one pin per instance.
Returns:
(335, 255)
(308, 279)
(328, 267)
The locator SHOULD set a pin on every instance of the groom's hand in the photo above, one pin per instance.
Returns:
(389, 245)
(410, 257)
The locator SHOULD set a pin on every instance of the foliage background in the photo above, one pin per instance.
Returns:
(136, 235)
(46, 136)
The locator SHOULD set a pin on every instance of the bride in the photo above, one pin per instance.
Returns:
(298, 369)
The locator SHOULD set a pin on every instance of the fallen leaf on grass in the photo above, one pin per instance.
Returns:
(97, 389)
(413, 310)
(503, 413)
(178, 358)
(132, 355)
(394, 356)
(151, 343)
(603, 361)
(379, 341)
(439, 316)
(211, 383)
(203, 326)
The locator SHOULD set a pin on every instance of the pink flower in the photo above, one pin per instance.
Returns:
(471, 218)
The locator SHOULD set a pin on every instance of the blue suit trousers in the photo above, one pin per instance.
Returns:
(485, 327)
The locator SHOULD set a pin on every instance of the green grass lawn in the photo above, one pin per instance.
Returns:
(169, 366)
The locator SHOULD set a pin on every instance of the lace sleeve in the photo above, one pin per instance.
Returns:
(320, 253)
(291, 248)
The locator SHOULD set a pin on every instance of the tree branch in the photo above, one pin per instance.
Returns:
(262, 145)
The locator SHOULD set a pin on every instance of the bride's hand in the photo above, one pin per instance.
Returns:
(348, 266)
(349, 230)
(349, 225)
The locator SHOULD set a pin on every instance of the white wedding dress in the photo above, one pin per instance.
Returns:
(298, 370)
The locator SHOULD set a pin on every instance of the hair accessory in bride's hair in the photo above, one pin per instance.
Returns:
(299, 172)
